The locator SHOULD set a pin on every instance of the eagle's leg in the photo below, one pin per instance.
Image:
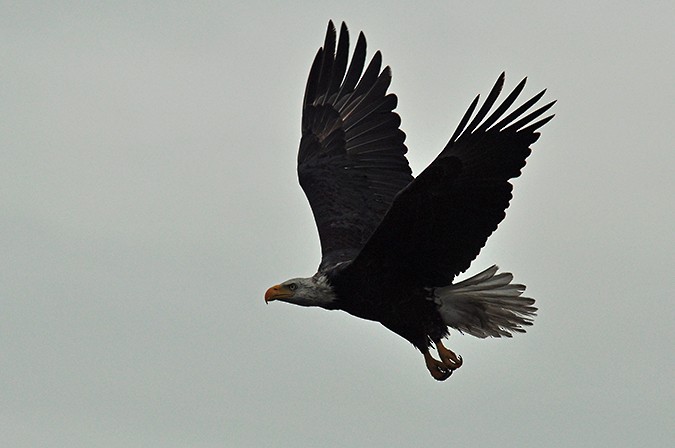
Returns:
(437, 368)
(448, 357)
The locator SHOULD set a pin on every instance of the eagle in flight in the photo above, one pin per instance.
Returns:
(392, 244)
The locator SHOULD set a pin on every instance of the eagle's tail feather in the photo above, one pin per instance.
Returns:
(487, 304)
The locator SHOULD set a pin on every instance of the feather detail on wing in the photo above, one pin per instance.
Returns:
(351, 161)
(439, 223)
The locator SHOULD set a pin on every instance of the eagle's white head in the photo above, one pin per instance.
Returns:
(312, 291)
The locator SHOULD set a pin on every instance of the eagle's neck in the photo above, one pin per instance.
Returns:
(320, 292)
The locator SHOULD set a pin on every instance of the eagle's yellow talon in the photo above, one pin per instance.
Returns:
(448, 357)
(439, 370)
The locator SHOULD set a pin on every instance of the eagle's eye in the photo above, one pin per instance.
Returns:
(292, 286)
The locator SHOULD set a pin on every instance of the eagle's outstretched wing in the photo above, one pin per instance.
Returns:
(439, 223)
(351, 161)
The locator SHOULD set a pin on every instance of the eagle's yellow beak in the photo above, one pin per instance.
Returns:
(277, 292)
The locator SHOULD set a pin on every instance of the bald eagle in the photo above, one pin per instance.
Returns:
(393, 244)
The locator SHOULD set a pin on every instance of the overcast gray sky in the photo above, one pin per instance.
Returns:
(148, 197)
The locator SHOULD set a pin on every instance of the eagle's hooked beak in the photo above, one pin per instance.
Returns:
(277, 292)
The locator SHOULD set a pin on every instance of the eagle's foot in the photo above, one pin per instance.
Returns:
(448, 357)
(438, 369)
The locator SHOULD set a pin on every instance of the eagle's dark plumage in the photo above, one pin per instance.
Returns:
(392, 244)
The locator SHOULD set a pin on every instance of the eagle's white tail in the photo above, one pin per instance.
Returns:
(485, 305)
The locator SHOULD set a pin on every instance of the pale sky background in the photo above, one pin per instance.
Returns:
(148, 197)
